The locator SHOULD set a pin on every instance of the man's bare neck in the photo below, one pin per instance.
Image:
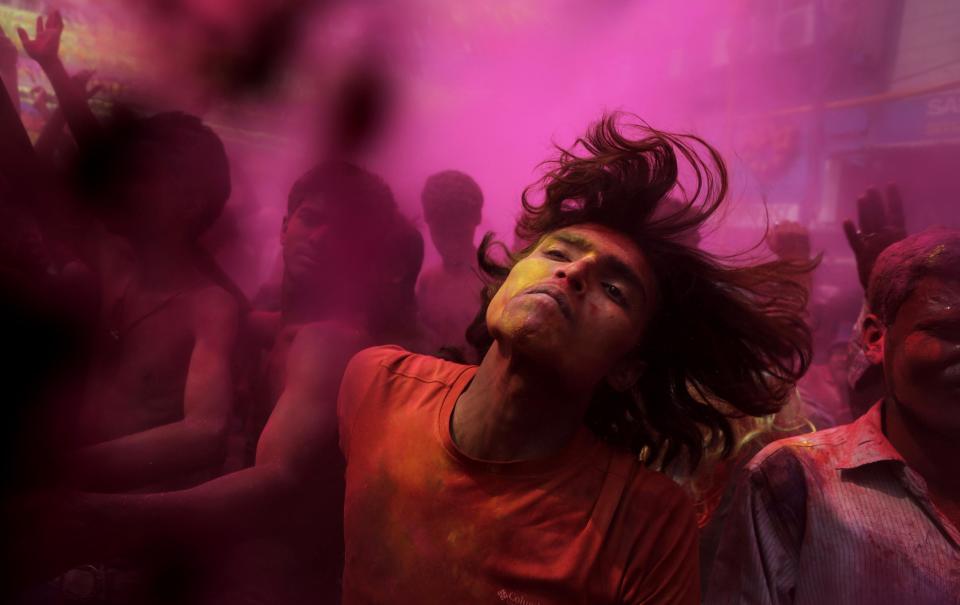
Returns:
(166, 269)
(514, 411)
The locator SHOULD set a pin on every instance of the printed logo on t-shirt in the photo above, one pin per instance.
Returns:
(509, 596)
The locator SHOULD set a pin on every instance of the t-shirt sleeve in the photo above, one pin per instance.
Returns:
(356, 386)
(663, 568)
(758, 554)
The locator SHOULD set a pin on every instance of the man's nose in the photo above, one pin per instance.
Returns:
(576, 273)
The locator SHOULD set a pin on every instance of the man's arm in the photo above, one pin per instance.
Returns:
(18, 163)
(197, 441)
(280, 487)
(8, 69)
(758, 556)
(280, 484)
(53, 133)
(44, 48)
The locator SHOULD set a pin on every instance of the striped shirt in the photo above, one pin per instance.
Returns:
(835, 517)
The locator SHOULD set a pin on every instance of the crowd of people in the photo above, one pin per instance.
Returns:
(601, 412)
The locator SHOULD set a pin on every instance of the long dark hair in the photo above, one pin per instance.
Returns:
(727, 339)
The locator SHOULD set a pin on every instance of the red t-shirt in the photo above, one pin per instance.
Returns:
(424, 523)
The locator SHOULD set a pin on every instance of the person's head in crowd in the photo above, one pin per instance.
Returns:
(336, 231)
(614, 297)
(167, 177)
(913, 328)
(838, 362)
(452, 207)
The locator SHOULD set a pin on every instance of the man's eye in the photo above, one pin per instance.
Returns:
(557, 254)
(615, 294)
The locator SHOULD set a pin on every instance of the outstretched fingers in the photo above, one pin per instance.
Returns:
(870, 212)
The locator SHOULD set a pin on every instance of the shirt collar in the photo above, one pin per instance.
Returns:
(866, 443)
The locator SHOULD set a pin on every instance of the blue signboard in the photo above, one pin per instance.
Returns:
(925, 118)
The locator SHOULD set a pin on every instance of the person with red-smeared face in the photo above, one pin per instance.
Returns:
(913, 331)
(920, 354)
(867, 512)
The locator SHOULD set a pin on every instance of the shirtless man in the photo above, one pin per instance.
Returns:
(328, 209)
(272, 533)
(160, 390)
(448, 294)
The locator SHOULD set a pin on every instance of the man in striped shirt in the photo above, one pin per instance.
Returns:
(867, 512)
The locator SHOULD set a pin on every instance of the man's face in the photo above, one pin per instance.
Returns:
(313, 242)
(920, 353)
(453, 239)
(159, 207)
(578, 303)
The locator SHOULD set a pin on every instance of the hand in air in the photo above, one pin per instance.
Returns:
(45, 45)
(790, 240)
(881, 223)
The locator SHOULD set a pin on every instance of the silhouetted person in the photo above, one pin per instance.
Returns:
(160, 391)
(272, 533)
(333, 269)
(448, 293)
(880, 223)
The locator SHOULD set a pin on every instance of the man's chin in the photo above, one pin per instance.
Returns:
(534, 341)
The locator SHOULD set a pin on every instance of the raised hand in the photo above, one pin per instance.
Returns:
(44, 48)
(881, 223)
(790, 240)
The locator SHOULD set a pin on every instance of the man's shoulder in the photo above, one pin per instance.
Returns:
(429, 277)
(649, 492)
(391, 360)
(210, 300)
(387, 377)
(789, 461)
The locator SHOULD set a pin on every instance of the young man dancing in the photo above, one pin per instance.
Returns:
(523, 480)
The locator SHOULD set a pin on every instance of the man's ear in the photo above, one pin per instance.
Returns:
(626, 373)
(873, 336)
(283, 225)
